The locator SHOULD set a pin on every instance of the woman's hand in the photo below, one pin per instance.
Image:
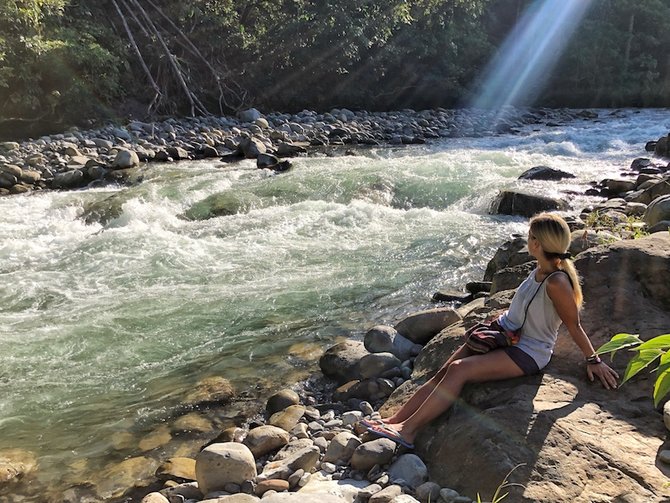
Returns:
(606, 374)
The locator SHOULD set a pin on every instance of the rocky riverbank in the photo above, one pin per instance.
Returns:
(310, 446)
(115, 154)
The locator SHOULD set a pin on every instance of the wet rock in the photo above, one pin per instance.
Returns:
(181, 492)
(117, 478)
(192, 423)
(281, 400)
(180, 469)
(513, 202)
(221, 464)
(544, 173)
(16, 464)
(69, 179)
(125, 159)
(223, 204)
(159, 437)
(265, 439)
(252, 147)
(266, 161)
(213, 389)
(232, 434)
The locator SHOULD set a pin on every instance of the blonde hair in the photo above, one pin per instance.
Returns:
(554, 237)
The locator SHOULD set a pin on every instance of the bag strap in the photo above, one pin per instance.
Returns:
(538, 289)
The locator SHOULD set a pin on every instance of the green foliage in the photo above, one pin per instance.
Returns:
(655, 350)
(67, 60)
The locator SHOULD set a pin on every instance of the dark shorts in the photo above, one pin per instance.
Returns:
(523, 360)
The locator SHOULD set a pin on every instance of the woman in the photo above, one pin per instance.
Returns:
(551, 295)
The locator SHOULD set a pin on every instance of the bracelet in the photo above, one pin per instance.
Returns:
(594, 359)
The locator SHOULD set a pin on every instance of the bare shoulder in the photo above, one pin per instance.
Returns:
(558, 282)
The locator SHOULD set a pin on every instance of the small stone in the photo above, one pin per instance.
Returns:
(277, 485)
(328, 467)
(294, 478)
(232, 488)
(366, 408)
(448, 495)
(155, 498)
(281, 400)
(428, 492)
(386, 495)
(304, 479)
(351, 417)
(664, 457)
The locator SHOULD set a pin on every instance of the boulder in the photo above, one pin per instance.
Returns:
(409, 468)
(427, 492)
(341, 448)
(511, 277)
(117, 478)
(554, 419)
(266, 161)
(15, 464)
(588, 238)
(421, 326)
(249, 115)
(265, 439)
(510, 253)
(376, 364)
(69, 179)
(210, 390)
(305, 459)
(252, 147)
(386, 495)
(544, 173)
(619, 186)
(657, 211)
(220, 464)
(661, 226)
(287, 419)
(514, 202)
(340, 362)
(281, 400)
(385, 339)
(125, 159)
(181, 469)
(662, 147)
(375, 452)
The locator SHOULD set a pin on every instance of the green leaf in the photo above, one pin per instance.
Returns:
(658, 342)
(640, 362)
(662, 386)
(619, 341)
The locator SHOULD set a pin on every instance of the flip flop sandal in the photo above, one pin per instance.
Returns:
(391, 434)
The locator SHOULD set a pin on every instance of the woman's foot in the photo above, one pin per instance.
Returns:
(392, 433)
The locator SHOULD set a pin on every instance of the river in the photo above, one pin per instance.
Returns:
(105, 325)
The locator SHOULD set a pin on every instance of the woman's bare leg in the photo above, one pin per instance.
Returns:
(421, 394)
(492, 366)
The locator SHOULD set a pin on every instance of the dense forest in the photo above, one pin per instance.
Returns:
(65, 62)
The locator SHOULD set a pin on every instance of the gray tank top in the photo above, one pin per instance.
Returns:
(540, 329)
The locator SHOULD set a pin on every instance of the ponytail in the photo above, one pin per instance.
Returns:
(568, 267)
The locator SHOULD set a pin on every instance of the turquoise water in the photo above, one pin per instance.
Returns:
(107, 322)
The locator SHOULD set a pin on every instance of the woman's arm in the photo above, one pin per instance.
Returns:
(560, 293)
